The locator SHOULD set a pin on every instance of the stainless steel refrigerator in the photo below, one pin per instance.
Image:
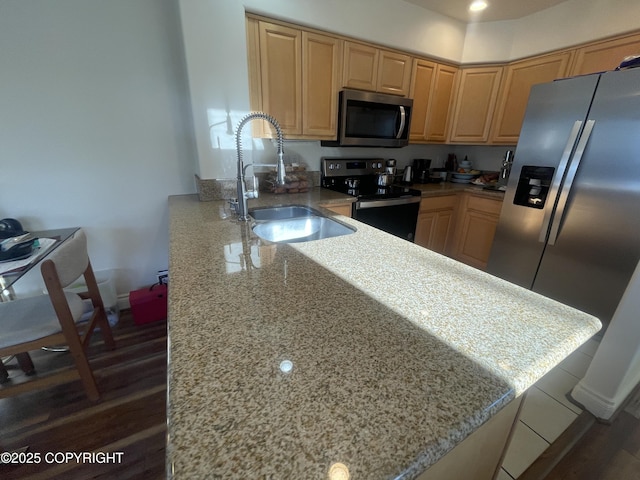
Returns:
(570, 222)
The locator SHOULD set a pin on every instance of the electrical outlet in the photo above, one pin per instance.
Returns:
(163, 277)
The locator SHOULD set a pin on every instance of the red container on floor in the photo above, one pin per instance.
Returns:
(149, 304)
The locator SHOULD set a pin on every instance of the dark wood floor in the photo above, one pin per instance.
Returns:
(130, 417)
(605, 452)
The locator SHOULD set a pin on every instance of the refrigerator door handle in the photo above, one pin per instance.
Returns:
(557, 179)
(571, 175)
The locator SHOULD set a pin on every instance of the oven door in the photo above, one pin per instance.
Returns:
(397, 216)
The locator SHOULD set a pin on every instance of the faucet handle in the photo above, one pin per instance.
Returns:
(252, 192)
(233, 203)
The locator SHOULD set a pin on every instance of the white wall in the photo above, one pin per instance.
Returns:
(95, 125)
(614, 372)
(564, 25)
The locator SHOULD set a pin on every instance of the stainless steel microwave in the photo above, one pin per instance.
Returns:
(367, 119)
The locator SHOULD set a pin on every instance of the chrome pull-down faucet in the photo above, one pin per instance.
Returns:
(240, 203)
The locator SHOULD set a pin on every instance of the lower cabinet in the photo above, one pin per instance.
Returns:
(475, 229)
(436, 222)
(460, 225)
(339, 208)
(480, 455)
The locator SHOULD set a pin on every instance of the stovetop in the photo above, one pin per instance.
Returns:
(358, 177)
(368, 188)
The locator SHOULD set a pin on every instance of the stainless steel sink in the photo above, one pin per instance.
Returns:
(303, 229)
(284, 212)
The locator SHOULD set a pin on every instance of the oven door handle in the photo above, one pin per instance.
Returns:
(391, 202)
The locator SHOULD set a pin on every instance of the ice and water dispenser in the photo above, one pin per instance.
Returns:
(533, 186)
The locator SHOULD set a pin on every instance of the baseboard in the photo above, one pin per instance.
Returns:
(605, 409)
(598, 405)
(123, 301)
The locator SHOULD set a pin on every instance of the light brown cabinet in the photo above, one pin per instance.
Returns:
(605, 55)
(360, 68)
(294, 76)
(339, 208)
(514, 93)
(422, 87)
(436, 222)
(439, 116)
(322, 67)
(370, 68)
(476, 228)
(431, 90)
(281, 75)
(476, 97)
(394, 73)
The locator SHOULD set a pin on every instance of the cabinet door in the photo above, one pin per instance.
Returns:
(360, 66)
(433, 230)
(253, 59)
(340, 209)
(514, 93)
(394, 73)
(280, 69)
(435, 226)
(440, 110)
(606, 55)
(422, 86)
(424, 227)
(476, 229)
(475, 103)
(322, 64)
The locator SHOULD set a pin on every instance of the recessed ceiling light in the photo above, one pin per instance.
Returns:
(478, 5)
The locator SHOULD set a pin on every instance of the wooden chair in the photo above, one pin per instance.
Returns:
(31, 323)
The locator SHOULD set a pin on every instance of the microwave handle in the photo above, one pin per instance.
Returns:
(403, 117)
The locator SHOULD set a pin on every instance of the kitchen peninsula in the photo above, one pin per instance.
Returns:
(361, 353)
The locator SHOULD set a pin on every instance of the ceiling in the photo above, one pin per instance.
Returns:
(497, 9)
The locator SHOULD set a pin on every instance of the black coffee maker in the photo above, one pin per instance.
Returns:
(421, 168)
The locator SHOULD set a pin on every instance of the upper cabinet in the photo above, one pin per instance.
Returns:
(296, 73)
(606, 55)
(280, 75)
(474, 105)
(440, 111)
(321, 73)
(294, 76)
(370, 68)
(394, 73)
(514, 93)
(422, 86)
(431, 89)
(360, 66)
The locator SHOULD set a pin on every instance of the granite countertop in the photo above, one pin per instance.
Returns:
(448, 188)
(363, 350)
